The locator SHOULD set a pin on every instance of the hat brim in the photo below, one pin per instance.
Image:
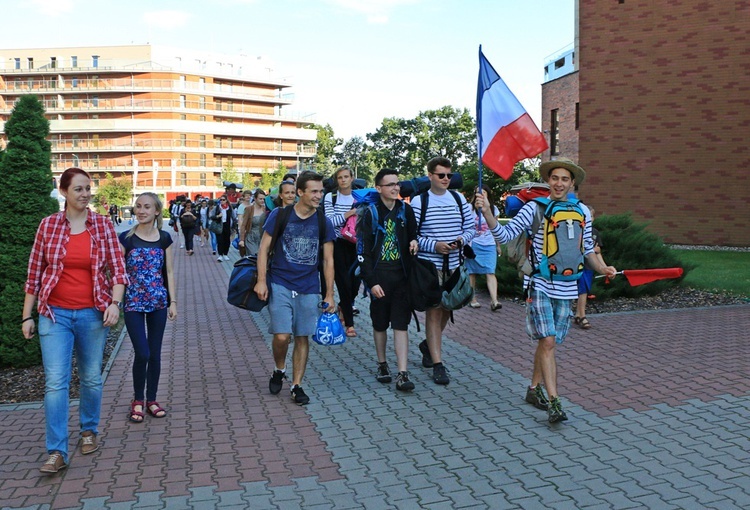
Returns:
(578, 174)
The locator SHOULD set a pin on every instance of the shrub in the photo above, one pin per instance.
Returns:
(27, 184)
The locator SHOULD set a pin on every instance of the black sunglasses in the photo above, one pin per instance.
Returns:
(442, 175)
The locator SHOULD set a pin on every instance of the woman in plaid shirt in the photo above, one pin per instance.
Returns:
(77, 279)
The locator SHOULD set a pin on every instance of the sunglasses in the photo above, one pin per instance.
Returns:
(442, 175)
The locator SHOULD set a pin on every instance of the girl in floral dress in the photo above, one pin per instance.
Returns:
(150, 299)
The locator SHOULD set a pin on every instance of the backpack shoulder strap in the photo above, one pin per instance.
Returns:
(321, 227)
(424, 199)
(334, 196)
(281, 220)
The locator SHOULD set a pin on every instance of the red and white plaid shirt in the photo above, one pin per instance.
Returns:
(49, 250)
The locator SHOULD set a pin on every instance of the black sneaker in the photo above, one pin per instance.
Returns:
(426, 356)
(403, 383)
(299, 396)
(440, 374)
(555, 412)
(536, 397)
(277, 379)
(355, 310)
(384, 373)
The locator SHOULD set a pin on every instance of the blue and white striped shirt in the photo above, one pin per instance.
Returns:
(443, 222)
(335, 213)
(522, 221)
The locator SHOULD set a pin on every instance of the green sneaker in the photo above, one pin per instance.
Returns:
(555, 412)
(535, 397)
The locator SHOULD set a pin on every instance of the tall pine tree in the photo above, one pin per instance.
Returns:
(27, 183)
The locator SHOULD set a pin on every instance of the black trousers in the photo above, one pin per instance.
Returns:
(224, 240)
(344, 257)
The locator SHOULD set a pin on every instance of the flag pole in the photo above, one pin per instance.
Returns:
(480, 91)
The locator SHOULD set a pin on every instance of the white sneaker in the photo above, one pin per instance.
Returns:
(219, 259)
(226, 257)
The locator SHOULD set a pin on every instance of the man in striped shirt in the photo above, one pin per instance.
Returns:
(548, 305)
(445, 227)
(339, 207)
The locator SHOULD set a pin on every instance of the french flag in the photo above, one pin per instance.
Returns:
(506, 134)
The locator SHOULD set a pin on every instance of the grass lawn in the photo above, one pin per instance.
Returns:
(717, 270)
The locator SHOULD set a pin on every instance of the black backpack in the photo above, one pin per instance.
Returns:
(423, 286)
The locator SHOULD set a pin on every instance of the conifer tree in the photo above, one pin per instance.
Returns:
(27, 183)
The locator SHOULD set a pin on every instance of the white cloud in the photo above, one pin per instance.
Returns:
(53, 7)
(376, 11)
(166, 19)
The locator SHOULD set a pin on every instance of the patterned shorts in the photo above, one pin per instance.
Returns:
(546, 316)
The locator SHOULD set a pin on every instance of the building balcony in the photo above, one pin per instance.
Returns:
(239, 147)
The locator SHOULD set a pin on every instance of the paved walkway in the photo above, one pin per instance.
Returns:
(659, 406)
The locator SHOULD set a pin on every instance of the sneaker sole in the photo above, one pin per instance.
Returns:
(405, 390)
(558, 418)
(384, 380)
(536, 404)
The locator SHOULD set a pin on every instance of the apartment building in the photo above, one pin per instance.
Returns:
(168, 120)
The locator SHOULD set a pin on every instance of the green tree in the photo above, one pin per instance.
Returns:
(356, 155)
(27, 180)
(228, 173)
(113, 191)
(327, 144)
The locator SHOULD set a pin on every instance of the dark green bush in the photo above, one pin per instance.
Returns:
(626, 245)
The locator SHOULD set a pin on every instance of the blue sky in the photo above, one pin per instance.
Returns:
(352, 62)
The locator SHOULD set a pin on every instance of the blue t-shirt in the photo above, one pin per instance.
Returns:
(145, 262)
(295, 260)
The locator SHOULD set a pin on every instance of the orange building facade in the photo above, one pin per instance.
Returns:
(167, 120)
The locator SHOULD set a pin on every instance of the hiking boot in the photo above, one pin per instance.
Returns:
(384, 373)
(555, 412)
(299, 396)
(426, 356)
(277, 380)
(440, 374)
(403, 383)
(536, 397)
(88, 443)
(54, 464)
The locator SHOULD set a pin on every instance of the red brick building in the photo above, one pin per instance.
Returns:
(664, 114)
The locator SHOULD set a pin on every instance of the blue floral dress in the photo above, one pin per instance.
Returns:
(145, 262)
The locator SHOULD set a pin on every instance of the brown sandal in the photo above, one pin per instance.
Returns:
(582, 322)
(136, 416)
(155, 410)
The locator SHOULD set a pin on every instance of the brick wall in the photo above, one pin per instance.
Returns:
(561, 94)
(665, 115)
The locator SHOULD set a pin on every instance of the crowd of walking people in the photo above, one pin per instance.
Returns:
(81, 275)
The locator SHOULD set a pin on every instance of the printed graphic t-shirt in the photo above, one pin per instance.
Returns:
(295, 260)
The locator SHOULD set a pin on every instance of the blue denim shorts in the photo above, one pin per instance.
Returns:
(546, 316)
(292, 312)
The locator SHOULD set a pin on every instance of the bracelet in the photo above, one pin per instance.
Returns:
(27, 319)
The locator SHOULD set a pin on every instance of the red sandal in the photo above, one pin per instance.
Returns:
(136, 416)
(155, 410)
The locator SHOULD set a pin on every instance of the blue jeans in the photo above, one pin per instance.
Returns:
(214, 241)
(84, 331)
(146, 331)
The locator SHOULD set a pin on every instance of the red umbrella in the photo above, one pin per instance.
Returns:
(642, 276)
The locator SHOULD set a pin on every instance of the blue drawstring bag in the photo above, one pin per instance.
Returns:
(329, 330)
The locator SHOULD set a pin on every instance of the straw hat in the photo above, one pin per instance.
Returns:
(578, 173)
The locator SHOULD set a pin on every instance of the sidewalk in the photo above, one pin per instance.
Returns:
(659, 406)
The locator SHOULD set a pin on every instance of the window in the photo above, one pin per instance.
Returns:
(554, 133)
(96, 161)
(559, 63)
(183, 116)
(183, 159)
(94, 61)
(183, 140)
(202, 83)
(203, 160)
(95, 101)
(53, 62)
(577, 115)
(202, 103)
(74, 82)
(31, 63)
(203, 140)
(17, 63)
(95, 81)
(183, 179)
(73, 61)
(203, 178)
(182, 101)
(202, 118)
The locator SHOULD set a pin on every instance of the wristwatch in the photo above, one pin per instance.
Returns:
(118, 303)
